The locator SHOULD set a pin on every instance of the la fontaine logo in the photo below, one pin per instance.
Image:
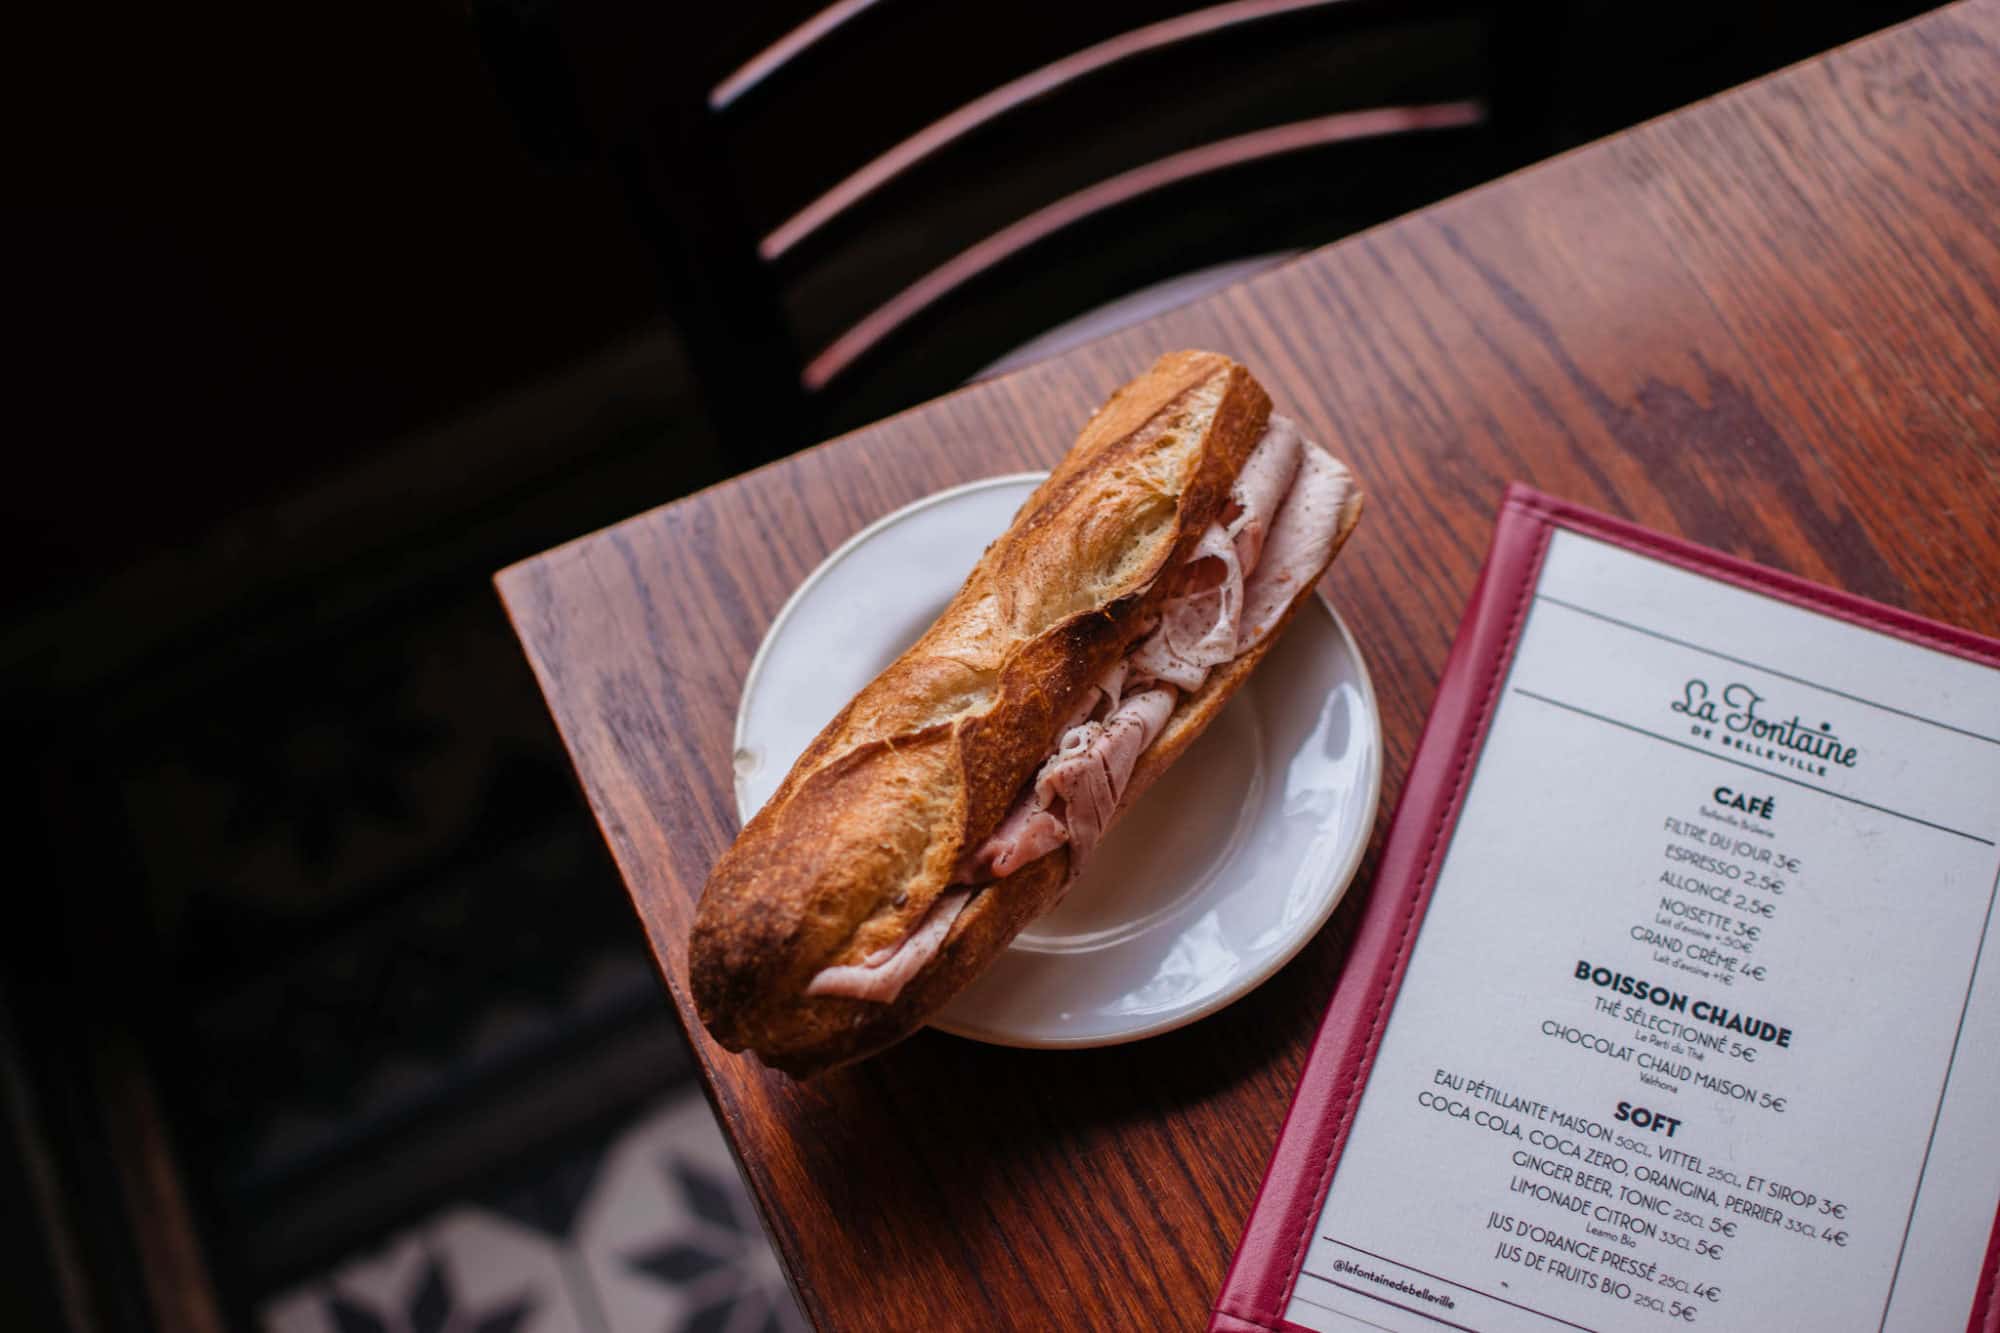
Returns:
(1731, 719)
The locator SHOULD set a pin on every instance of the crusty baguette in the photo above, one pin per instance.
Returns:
(870, 825)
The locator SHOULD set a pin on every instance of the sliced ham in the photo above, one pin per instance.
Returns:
(1200, 627)
(1197, 629)
(1090, 772)
(1285, 512)
(883, 975)
(1260, 488)
(1078, 788)
(1298, 546)
(1103, 697)
(1029, 832)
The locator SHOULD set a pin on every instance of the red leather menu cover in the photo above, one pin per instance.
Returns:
(1260, 1283)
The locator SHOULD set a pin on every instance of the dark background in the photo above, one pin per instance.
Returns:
(322, 315)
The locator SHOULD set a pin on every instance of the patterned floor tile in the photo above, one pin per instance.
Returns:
(508, 1279)
(461, 1272)
(671, 1237)
(648, 1231)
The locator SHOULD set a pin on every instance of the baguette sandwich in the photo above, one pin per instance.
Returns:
(960, 794)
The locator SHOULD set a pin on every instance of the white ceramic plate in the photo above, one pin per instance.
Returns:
(1208, 885)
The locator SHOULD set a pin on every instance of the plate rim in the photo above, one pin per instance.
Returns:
(1339, 883)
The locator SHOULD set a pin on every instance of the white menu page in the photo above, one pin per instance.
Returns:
(1701, 1029)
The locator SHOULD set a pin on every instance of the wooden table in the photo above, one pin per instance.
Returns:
(1770, 323)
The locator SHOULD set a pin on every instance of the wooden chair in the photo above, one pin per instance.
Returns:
(858, 205)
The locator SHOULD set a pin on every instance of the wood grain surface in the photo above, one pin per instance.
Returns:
(1770, 323)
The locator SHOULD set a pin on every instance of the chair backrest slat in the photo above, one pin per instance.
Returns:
(752, 73)
(984, 110)
(823, 179)
(1009, 243)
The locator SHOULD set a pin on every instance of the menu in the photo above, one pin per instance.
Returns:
(1698, 1026)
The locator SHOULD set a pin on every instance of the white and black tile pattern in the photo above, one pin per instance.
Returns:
(650, 1232)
